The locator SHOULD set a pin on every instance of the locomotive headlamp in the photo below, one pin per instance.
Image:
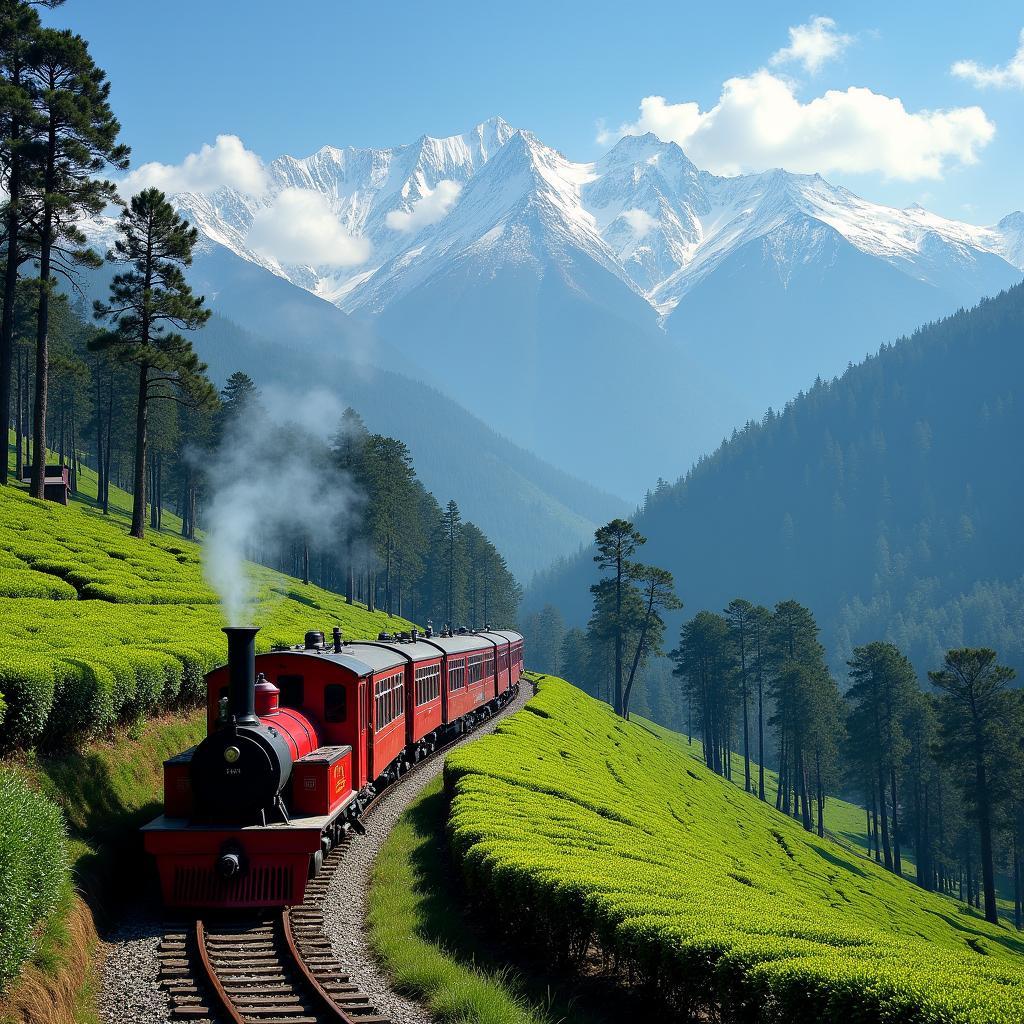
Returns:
(232, 754)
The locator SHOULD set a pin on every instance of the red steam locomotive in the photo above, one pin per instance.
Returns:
(293, 754)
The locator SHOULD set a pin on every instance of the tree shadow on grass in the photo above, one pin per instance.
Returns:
(110, 867)
(839, 862)
(964, 923)
(447, 922)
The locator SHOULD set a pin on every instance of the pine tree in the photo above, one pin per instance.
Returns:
(454, 564)
(146, 300)
(739, 615)
(616, 544)
(974, 712)
(19, 26)
(239, 397)
(657, 592)
(882, 687)
(77, 139)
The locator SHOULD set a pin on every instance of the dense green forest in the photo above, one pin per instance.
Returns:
(886, 500)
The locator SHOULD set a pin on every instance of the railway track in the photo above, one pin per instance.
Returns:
(269, 969)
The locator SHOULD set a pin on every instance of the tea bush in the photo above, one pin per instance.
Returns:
(33, 867)
(578, 830)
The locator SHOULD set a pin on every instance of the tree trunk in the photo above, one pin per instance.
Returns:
(152, 490)
(886, 848)
(10, 280)
(19, 423)
(820, 792)
(618, 636)
(42, 362)
(1018, 916)
(897, 864)
(760, 731)
(108, 434)
(141, 421)
(985, 829)
(878, 842)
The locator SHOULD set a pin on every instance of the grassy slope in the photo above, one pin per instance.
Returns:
(673, 866)
(127, 593)
(429, 950)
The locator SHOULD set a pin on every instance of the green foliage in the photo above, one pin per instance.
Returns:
(614, 837)
(33, 867)
(428, 950)
(139, 627)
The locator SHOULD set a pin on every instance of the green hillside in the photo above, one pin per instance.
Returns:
(97, 627)
(614, 836)
(886, 501)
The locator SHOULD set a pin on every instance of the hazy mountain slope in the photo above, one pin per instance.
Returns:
(531, 510)
(888, 501)
(803, 302)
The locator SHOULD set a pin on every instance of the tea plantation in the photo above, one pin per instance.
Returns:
(602, 842)
(97, 627)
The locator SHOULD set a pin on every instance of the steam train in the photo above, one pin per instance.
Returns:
(294, 753)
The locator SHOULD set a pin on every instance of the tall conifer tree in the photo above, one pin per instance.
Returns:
(145, 300)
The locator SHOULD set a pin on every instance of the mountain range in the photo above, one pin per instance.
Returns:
(552, 297)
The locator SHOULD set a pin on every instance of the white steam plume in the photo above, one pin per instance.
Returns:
(269, 483)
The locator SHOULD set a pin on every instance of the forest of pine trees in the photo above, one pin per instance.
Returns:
(887, 499)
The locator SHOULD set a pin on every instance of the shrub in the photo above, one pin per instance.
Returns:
(83, 703)
(28, 684)
(26, 583)
(33, 867)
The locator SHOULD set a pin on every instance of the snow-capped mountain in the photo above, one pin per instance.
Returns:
(544, 291)
(644, 211)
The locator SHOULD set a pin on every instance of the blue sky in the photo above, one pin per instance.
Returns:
(291, 78)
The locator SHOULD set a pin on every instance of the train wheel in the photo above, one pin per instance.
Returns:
(316, 862)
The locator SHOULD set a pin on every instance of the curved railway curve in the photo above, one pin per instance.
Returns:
(285, 968)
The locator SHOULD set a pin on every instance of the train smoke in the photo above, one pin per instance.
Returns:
(269, 486)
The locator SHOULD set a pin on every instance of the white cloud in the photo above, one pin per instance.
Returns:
(812, 44)
(639, 220)
(1009, 76)
(226, 162)
(759, 123)
(431, 207)
(300, 228)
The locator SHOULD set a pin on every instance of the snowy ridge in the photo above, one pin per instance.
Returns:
(643, 212)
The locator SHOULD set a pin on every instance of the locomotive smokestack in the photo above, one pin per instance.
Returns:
(242, 672)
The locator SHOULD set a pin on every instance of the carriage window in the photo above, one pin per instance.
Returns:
(390, 699)
(456, 676)
(428, 684)
(292, 691)
(334, 703)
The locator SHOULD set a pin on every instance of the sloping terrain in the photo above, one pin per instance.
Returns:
(97, 627)
(582, 831)
(886, 501)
